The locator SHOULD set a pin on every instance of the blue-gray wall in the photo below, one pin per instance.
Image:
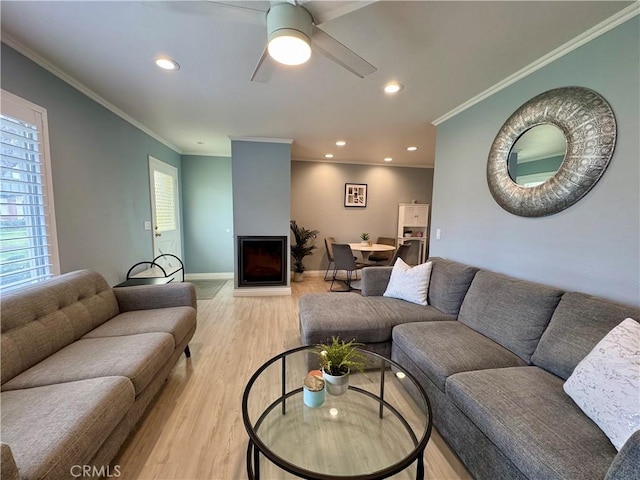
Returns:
(261, 188)
(208, 214)
(317, 201)
(594, 245)
(100, 172)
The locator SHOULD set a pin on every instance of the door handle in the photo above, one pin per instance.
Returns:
(158, 234)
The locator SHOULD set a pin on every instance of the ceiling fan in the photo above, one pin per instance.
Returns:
(292, 31)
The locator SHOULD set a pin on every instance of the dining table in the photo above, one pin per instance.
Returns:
(366, 249)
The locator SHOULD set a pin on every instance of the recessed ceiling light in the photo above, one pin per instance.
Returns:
(167, 63)
(200, 143)
(388, 159)
(341, 143)
(393, 87)
(412, 149)
(329, 155)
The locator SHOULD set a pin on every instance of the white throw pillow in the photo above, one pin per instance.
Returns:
(409, 283)
(606, 383)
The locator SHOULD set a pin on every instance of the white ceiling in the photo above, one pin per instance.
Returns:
(444, 53)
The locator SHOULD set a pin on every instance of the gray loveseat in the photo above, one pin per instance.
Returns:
(80, 364)
(492, 352)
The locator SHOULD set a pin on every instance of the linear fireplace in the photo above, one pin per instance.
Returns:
(262, 261)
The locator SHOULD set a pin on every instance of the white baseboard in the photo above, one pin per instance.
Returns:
(262, 292)
(209, 276)
(312, 273)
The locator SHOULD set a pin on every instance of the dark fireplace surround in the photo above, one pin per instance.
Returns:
(262, 261)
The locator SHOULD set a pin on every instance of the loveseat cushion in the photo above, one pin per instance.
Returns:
(525, 413)
(350, 315)
(137, 357)
(441, 349)
(577, 325)
(178, 321)
(39, 320)
(512, 312)
(54, 427)
(449, 284)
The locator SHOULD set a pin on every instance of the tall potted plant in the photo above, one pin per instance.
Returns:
(303, 246)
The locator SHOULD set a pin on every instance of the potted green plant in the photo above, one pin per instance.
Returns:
(366, 239)
(303, 246)
(337, 360)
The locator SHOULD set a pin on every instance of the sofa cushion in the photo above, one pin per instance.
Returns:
(39, 320)
(178, 321)
(449, 284)
(579, 322)
(441, 349)
(137, 357)
(512, 312)
(606, 383)
(54, 427)
(350, 315)
(525, 413)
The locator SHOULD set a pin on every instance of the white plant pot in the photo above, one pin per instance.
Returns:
(364, 244)
(336, 385)
(298, 276)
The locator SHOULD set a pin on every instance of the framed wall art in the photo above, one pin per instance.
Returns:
(355, 195)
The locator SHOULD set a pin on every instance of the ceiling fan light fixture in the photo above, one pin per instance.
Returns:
(289, 29)
(289, 47)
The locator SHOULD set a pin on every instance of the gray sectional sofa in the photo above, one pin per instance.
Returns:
(81, 362)
(492, 352)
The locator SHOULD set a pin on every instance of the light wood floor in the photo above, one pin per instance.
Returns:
(195, 429)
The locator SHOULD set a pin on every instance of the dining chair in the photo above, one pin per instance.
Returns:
(409, 252)
(343, 259)
(328, 245)
(401, 252)
(383, 256)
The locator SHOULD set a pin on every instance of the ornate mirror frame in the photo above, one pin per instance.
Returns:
(589, 126)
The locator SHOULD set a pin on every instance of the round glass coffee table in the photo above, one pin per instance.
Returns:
(378, 428)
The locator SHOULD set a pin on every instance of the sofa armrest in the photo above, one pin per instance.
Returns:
(147, 297)
(374, 281)
(626, 465)
(9, 470)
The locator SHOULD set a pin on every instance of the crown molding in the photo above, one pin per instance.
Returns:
(594, 32)
(41, 61)
(261, 139)
(364, 164)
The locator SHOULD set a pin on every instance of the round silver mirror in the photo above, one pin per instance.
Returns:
(587, 124)
(537, 155)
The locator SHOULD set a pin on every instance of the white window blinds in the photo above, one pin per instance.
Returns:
(165, 193)
(28, 248)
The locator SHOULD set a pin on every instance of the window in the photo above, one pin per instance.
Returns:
(165, 201)
(28, 246)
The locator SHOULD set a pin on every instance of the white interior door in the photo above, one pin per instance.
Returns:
(165, 209)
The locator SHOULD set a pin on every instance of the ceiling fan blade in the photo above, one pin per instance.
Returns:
(248, 12)
(323, 11)
(264, 69)
(328, 46)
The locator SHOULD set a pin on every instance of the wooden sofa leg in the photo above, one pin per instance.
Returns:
(187, 352)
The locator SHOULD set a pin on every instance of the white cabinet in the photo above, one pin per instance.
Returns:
(413, 225)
